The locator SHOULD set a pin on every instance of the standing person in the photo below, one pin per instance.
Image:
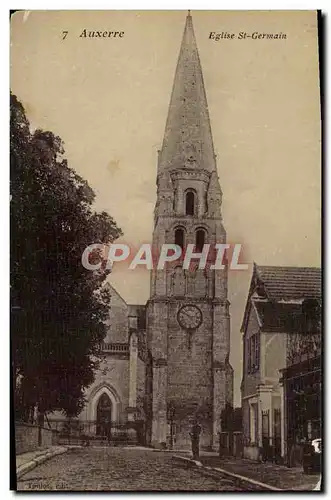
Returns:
(195, 438)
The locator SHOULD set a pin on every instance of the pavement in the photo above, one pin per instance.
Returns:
(267, 475)
(28, 461)
(124, 469)
(144, 469)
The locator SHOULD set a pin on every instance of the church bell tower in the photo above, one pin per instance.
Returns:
(188, 322)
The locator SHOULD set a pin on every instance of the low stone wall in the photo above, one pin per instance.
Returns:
(27, 437)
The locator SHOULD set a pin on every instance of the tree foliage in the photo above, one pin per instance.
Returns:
(58, 307)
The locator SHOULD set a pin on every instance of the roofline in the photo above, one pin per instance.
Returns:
(118, 294)
(248, 300)
(257, 313)
(287, 267)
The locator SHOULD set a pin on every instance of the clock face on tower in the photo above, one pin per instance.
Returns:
(189, 317)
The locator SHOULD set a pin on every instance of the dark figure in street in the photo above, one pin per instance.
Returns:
(195, 439)
(108, 430)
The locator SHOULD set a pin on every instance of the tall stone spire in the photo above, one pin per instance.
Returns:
(188, 140)
(190, 372)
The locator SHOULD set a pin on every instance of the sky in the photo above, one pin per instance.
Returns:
(107, 98)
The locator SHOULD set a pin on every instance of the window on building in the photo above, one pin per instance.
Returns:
(253, 432)
(200, 237)
(253, 353)
(179, 237)
(189, 203)
(249, 357)
(174, 200)
(265, 427)
(253, 347)
(257, 351)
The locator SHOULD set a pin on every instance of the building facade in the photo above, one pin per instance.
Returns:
(119, 392)
(167, 363)
(272, 319)
(301, 381)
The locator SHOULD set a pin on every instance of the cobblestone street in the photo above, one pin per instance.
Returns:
(123, 469)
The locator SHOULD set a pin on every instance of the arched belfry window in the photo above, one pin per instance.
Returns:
(200, 238)
(190, 203)
(180, 237)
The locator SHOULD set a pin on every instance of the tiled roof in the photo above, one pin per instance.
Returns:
(277, 285)
(289, 283)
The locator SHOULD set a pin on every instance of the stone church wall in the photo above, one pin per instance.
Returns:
(190, 383)
(141, 388)
(113, 375)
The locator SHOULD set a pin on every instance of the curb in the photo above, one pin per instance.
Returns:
(223, 471)
(167, 450)
(23, 469)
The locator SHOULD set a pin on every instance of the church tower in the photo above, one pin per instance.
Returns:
(188, 322)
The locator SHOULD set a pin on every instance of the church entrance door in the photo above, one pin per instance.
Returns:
(104, 413)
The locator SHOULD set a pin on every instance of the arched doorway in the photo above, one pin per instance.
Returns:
(104, 415)
(94, 399)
